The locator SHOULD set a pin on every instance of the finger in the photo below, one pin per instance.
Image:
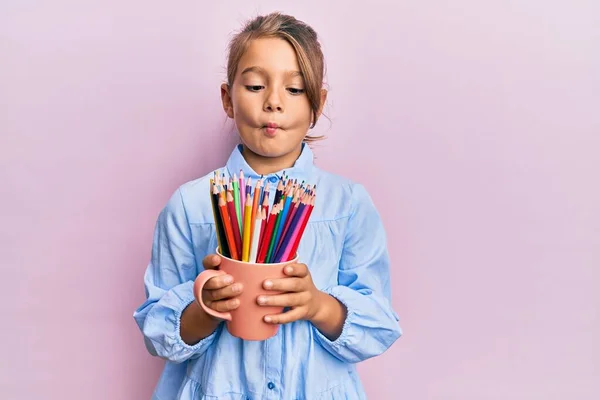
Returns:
(285, 284)
(294, 314)
(227, 292)
(297, 270)
(218, 282)
(211, 261)
(225, 305)
(284, 300)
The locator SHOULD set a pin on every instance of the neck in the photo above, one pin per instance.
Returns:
(267, 165)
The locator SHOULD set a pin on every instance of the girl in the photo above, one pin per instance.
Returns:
(337, 299)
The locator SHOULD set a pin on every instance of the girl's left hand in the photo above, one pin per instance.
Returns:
(300, 294)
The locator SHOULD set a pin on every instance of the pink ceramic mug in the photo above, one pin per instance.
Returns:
(246, 321)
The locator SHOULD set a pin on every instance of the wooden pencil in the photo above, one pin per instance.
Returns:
(228, 229)
(256, 198)
(287, 241)
(236, 198)
(278, 192)
(294, 249)
(242, 193)
(237, 236)
(255, 237)
(293, 208)
(274, 234)
(287, 200)
(247, 233)
(266, 237)
(221, 239)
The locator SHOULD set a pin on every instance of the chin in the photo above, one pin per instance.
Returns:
(270, 153)
(271, 147)
(269, 150)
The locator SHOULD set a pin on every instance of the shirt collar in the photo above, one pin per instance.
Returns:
(300, 170)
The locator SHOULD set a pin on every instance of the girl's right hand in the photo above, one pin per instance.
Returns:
(221, 292)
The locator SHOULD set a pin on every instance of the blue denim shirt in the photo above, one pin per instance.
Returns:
(344, 246)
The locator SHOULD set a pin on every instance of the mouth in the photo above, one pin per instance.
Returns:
(271, 128)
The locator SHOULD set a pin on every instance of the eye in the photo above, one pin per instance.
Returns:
(254, 88)
(295, 91)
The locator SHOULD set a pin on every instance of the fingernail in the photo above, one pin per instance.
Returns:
(215, 259)
(262, 299)
(267, 319)
(289, 269)
(228, 280)
(268, 284)
(235, 302)
(235, 288)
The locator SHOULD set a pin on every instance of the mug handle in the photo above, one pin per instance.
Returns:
(199, 283)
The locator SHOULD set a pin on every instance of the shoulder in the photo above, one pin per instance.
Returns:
(338, 196)
(193, 199)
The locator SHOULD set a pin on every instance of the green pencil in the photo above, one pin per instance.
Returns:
(272, 244)
(236, 200)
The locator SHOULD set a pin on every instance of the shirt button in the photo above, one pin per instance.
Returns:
(273, 179)
(271, 385)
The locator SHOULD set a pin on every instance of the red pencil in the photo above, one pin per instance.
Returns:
(266, 238)
(237, 236)
(263, 225)
(265, 203)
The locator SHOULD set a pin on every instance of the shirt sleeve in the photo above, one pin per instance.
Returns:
(371, 325)
(168, 282)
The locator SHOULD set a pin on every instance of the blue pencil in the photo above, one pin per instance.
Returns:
(284, 213)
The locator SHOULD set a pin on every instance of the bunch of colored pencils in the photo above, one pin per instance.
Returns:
(250, 229)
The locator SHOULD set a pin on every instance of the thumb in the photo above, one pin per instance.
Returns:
(211, 261)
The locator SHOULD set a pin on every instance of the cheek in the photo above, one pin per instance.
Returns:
(244, 106)
(303, 109)
(303, 116)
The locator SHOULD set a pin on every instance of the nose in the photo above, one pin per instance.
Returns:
(273, 102)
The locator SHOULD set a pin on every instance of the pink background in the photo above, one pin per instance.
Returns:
(482, 117)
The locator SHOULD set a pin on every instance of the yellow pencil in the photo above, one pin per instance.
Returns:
(247, 228)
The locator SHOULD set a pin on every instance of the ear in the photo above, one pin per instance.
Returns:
(226, 99)
(323, 100)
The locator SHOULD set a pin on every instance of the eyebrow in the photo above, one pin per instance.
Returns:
(261, 71)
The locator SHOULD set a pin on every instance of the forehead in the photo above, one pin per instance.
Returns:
(272, 55)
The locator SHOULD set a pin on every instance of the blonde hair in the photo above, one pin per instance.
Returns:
(303, 39)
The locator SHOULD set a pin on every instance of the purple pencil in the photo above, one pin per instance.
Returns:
(292, 233)
(242, 193)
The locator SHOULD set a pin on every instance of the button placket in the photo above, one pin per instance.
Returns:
(273, 363)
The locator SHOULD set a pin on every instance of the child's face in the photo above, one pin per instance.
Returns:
(267, 100)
